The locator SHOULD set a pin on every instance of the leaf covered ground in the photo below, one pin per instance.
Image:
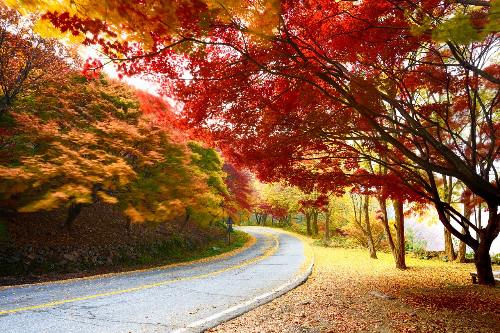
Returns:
(430, 296)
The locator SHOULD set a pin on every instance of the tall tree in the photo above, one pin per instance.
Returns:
(467, 211)
(208, 164)
(322, 85)
(312, 204)
(448, 241)
(282, 200)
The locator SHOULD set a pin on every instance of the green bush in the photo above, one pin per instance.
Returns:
(495, 258)
(412, 243)
(298, 228)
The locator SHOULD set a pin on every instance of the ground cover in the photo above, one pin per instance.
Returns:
(349, 292)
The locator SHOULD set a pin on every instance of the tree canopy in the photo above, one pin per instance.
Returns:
(88, 139)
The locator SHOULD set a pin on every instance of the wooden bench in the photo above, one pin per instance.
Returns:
(496, 276)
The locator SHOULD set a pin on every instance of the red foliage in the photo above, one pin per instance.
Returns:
(91, 68)
(239, 188)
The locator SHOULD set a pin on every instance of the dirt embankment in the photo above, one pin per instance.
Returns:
(37, 247)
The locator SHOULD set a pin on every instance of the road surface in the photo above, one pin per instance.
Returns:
(185, 298)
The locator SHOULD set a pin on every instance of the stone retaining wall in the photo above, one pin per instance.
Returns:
(29, 259)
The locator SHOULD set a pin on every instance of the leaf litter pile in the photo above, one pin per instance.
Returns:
(348, 292)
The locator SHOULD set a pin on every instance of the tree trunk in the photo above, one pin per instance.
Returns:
(369, 238)
(399, 225)
(462, 248)
(327, 227)
(478, 216)
(482, 259)
(73, 211)
(385, 225)
(485, 237)
(264, 219)
(315, 222)
(128, 225)
(308, 224)
(186, 221)
(258, 218)
(482, 244)
(448, 242)
(448, 245)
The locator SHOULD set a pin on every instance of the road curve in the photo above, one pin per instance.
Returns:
(186, 298)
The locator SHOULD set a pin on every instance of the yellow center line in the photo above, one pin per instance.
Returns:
(248, 262)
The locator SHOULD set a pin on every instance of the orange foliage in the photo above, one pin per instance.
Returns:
(88, 139)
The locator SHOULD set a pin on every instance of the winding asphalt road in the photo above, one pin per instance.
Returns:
(185, 298)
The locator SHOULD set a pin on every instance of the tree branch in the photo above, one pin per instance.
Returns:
(474, 3)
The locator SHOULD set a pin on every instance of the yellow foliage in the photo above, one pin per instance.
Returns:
(134, 215)
(107, 198)
(135, 23)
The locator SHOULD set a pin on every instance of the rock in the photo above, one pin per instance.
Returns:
(69, 257)
(215, 248)
(412, 314)
(376, 293)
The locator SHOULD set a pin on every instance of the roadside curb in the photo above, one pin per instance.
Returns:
(236, 311)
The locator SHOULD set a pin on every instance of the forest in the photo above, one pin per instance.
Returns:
(361, 112)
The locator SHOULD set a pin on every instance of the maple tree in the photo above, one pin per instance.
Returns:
(260, 207)
(28, 60)
(413, 82)
(88, 139)
(337, 215)
(281, 201)
(239, 200)
(360, 207)
(312, 204)
(415, 100)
